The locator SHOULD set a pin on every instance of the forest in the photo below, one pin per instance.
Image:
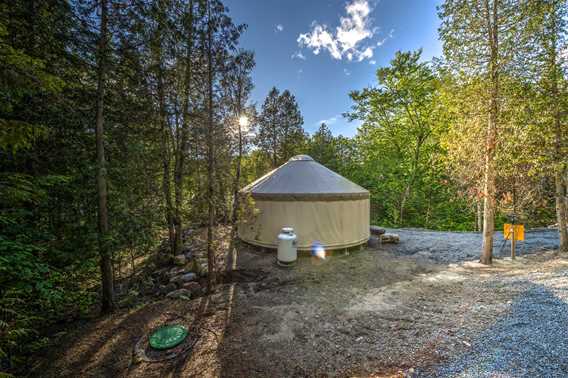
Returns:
(124, 123)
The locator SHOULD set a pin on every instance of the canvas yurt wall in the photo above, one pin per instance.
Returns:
(318, 203)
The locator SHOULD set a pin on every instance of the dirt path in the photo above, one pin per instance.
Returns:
(391, 312)
(370, 313)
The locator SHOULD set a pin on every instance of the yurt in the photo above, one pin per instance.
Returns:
(318, 203)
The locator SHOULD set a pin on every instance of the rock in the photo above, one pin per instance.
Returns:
(148, 287)
(170, 287)
(179, 294)
(175, 271)
(180, 260)
(376, 230)
(186, 277)
(163, 259)
(390, 238)
(194, 288)
(203, 269)
(188, 254)
(129, 299)
(159, 272)
(118, 288)
(374, 242)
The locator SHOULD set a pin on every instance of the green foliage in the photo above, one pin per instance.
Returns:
(419, 149)
(48, 261)
(322, 147)
(33, 290)
(280, 134)
(399, 147)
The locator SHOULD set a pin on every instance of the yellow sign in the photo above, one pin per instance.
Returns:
(519, 231)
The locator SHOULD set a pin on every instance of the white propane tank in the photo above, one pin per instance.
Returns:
(287, 250)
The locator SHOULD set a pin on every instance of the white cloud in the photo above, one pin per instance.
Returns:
(353, 30)
(367, 53)
(389, 36)
(373, 62)
(318, 39)
(279, 28)
(298, 55)
(328, 121)
(346, 72)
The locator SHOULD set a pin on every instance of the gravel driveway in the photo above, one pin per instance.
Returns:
(529, 339)
(452, 247)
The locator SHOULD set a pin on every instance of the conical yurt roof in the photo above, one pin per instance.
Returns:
(303, 178)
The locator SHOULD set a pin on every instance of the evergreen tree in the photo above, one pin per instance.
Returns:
(292, 135)
(280, 134)
(322, 147)
(238, 86)
(550, 62)
(104, 250)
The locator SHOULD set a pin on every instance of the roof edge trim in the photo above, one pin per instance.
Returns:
(307, 196)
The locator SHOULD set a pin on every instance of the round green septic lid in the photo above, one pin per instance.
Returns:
(168, 336)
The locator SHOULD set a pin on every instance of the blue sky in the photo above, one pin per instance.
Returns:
(320, 50)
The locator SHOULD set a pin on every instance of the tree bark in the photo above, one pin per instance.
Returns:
(559, 158)
(561, 207)
(274, 149)
(491, 137)
(165, 134)
(237, 184)
(479, 220)
(414, 174)
(104, 250)
(181, 151)
(210, 158)
(560, 167)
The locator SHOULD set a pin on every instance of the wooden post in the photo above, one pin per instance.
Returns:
(513, 236)
(513, 241)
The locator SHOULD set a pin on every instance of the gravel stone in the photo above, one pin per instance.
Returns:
(453, 247)
(531, 340)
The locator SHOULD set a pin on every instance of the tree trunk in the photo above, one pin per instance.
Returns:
(559, 158)
(164, 130)
(559, 171)
(566, 196)
(479, 220)
(181, 151)
(405, 195)
(274, 155)
(104, 250)
(166, 186)
(489, 193)
(414, 174)
(561, 208)
(239, 159)
(491, 137)
(210, 158)
(237, 180)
